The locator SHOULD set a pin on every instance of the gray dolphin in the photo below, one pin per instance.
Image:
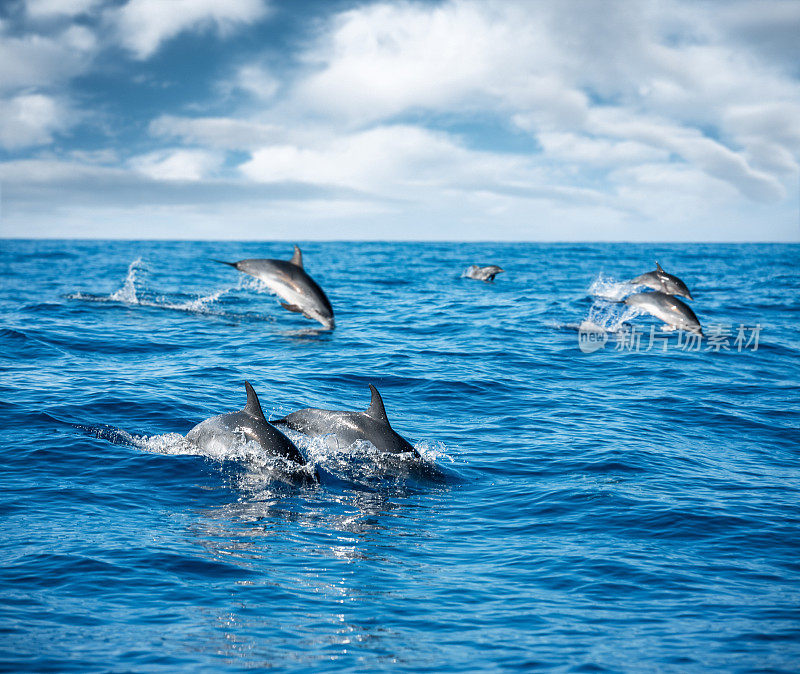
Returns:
(371, 425)
(666, 283)
(250, 422)
(674, 312)
(289, 280)
(483, 273)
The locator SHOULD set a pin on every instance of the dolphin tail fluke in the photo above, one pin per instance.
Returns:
(376, 410)
(253, 407)
(230, 264)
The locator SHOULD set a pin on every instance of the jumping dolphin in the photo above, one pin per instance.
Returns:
(675, 313)
(483, 273)
(290, 281)
(250, 422)
(371, 425)
(666, 283)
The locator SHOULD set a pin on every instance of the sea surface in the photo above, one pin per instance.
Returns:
(625, 504)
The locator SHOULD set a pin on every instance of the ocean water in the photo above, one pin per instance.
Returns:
(625, 504)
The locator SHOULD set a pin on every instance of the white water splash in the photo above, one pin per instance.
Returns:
(363, 463)
(132, 294)
(127, 293)
(609, 288)
(433, 451)
(199, 305)
(608, 312)
(610, 316)
(260, 468)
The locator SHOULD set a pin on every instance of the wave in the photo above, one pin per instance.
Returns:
(20, 344)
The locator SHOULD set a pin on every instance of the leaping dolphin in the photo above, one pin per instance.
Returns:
(675, 313)
(290, 281)
(666, 283)
(371, 425)
(483, 273)
(250, 422)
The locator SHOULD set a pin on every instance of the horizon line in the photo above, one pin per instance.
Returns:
(501, 241)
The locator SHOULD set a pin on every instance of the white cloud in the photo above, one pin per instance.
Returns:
(385, 59)
(597, 152)
(770, 27)
(217, 132)
(255, 80)
(673, 112)
(415, 166)
(381, 59)
(669, 195)
(540, 64)
(177, 164)
(143, 25)
(60, 8)
(35, 71)
(778, 123)
(389, 159)
(708, 155)
(30, 120)
(33, 60)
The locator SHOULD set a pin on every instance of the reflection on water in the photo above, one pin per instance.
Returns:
(341, 549)
(343, 525)
(306, 334)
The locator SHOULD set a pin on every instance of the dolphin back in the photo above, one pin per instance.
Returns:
(661, 280)
(225, 430)
(483, 273)
(269, 437)
(349, 427)
(669, 309)
(650, 280)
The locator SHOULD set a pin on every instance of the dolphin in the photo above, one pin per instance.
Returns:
(371, 425)
(249, 423)
(290, 281)
(483, 273)
(675, 313)
(666, 283)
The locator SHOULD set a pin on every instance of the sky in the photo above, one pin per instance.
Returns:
(562, 120)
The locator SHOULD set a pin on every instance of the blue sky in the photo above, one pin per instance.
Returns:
(458, 120)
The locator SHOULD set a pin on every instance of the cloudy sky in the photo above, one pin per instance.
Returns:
(328, 119)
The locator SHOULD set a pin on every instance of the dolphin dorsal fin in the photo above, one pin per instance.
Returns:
(376, 410)
(297, 258)
(253, 407)
(658, 268)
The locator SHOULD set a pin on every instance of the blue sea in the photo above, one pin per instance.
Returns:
(629, 507)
